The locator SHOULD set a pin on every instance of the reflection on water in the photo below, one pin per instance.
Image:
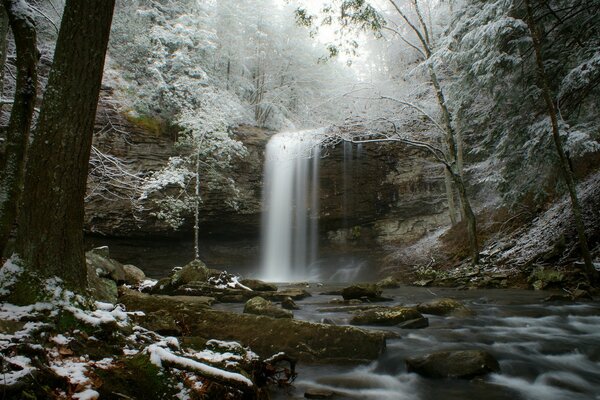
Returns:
(549, 352)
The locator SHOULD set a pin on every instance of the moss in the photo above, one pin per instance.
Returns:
(146, 122)
(137, 378)
(27, 290)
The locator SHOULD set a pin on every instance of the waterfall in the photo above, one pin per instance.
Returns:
(291, 206)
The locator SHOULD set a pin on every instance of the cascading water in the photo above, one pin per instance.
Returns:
(291, 201)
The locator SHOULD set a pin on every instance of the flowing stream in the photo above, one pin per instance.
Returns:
(291, 201)
(546, 351)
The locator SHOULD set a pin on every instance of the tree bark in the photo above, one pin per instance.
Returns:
(50, 233)
(4, 26)
(19, 126)
(563, 159)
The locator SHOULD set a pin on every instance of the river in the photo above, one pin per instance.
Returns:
(548, 351)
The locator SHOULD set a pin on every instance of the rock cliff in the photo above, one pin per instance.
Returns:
(370, 195)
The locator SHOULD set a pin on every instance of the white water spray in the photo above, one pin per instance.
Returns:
(291, 201)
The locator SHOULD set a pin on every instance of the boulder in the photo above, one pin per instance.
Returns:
(385, 316)
(101, 289)
(304, 340)
(258, 285)
(133, 275)
(389, 283)
(195, 271)
(462, 364)
(259, 306)
(361, 291)
(444, 307)
(289, 304)
(103, 265)
(417, 323)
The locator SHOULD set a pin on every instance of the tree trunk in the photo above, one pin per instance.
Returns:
(4, 25)
(50, 233)
(197, 200)
(469, 217)
(450, 196)
(563, 159)
(13, 164)
(453, 141)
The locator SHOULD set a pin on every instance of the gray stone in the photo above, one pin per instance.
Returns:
(385, 316)
(361, 291)
(463, 364)
(259, 306)
(133, 275)
(258, 285)
(104, 266)
(289, 304)
(444, 306)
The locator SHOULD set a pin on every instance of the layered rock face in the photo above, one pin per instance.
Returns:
(370, 195)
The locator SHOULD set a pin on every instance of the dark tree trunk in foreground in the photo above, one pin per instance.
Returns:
(13, 164)
(50, 232)
(3, 43)
(563, 159)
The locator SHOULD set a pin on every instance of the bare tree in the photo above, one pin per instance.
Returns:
(563, 160)
(13, 164)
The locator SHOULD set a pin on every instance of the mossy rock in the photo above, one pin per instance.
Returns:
(258, 285)
(195, 271)
(362, 291)
(385, 316)
(444, 306)
(266, 336)
(103, 265)
(259, 306)
(462, 364)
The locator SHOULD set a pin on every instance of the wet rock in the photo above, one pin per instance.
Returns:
(267, 336)
(362, 291)
(258, 285)
(260, 306)
(462, 364)
(163, 323)
(318, 394)
(133, 275)
(417, 323)
(389, 283)
(101, 289)
(195, 271)
(385, 316)
(444, 307)
(289, 304)
(103, 265)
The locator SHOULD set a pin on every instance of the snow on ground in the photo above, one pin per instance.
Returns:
(35, 327)
(546, 230)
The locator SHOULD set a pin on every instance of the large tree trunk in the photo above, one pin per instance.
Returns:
(4, 24)
(563, 159)
(469, 217)
(13, 164)
(50, 234)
